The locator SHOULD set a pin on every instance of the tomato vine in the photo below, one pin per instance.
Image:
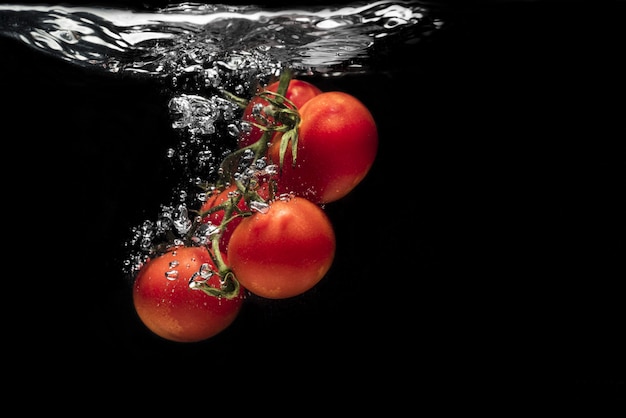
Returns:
(285, 114)
(258, 198)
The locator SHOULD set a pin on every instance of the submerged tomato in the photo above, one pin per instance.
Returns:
(285, 251)
(298, 91)
(167, 305)
(337, 145)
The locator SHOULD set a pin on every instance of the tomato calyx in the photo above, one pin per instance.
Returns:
(280, 115)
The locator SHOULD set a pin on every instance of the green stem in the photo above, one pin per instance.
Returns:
(229, 284)
(286, 120)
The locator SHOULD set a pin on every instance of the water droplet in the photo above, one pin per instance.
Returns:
(171, 274)
(205, 232)
(271, 169)
(233, 130)
(146, 243)
(261, 163)
(248, 154)
(182, 223)
(261, 207)
(205, 155)
(205, 271)
(234, 194)
(285, 197)
(211, 78)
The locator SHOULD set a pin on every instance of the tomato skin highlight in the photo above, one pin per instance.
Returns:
(174, 311)
(284, 252)
(337, 146)
(298, 91)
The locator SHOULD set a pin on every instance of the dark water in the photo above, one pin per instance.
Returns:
(484, 245)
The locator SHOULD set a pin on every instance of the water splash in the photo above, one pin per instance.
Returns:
(195, 38)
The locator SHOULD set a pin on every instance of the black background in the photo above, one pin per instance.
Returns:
(484, 247)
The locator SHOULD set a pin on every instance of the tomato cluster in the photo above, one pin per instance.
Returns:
(267, 231)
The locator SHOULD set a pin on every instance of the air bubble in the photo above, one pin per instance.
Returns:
(261, 207)
(234, 194)
(205, 271)
(233, 130)
(248, 154)
(271, 169)
(260, 163)
(285, 197)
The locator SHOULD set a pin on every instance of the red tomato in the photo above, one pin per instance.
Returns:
(170, 308)
(337, 145)
(298, 91)
(283, 252)
(222, 197)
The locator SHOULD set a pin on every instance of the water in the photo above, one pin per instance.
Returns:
(491, 200)
(206, 40)
(197, 51)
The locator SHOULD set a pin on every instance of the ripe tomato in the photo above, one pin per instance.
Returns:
(285, 251)
(337, 145)
(167, 305)
(298, 91)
